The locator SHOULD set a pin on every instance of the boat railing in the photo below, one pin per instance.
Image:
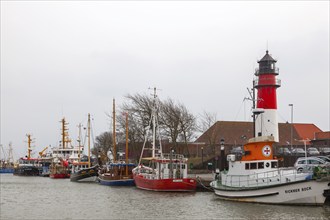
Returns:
(264, 178)
(168, 156)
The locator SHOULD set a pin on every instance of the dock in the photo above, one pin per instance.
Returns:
(203, 180)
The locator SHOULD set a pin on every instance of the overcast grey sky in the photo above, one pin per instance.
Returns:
(71, 58)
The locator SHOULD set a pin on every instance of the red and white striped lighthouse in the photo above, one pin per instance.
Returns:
(266, 112)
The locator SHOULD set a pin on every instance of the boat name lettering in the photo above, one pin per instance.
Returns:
(298, 190)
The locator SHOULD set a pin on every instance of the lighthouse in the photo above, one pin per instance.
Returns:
(266, 84)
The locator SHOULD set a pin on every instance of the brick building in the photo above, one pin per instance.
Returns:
(236, 133)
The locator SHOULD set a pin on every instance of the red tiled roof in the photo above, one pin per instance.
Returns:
(306, 131)
(322, 135)
(237, 132)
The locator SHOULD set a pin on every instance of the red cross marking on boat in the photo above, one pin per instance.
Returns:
(266, 151)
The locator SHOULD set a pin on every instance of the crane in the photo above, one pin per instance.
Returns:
(41, 153)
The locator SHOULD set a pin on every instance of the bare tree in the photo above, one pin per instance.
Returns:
(175, 121)
(187, 125)
(103, 143)
(139, 108)
(169, 118)
(206, 120)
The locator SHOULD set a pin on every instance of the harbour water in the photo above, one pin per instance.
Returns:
(45, 198)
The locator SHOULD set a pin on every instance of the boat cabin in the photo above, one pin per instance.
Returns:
(27, 162)
(257, 166)
(166, 166)
(70, 154)
(115, 171)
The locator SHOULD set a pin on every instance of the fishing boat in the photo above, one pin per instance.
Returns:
(117, 172)
(255, 176)
(27, 166)
(63, 155)
(59, 168)
(83, 171)
(7, 163)
(163, 172)
(44, 162)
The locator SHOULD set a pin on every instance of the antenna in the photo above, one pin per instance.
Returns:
(155, 89)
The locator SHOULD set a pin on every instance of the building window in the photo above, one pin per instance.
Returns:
(261, 165)
(247, 166)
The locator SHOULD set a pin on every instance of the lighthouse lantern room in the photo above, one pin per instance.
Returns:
(266, 83)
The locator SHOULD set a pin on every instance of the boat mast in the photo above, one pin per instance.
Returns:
(89, 140)
(65, 134)
(29, 145)
(79, 141)
(10, 154)
(126, 144)
(253, 107)
(114, 130)
(154, 125)
(253, 99)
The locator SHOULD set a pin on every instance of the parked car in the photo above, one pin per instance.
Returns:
(325, 158)
(298, 152)
(325, 150)
(284, 151)
(312, 162)
(312, 151)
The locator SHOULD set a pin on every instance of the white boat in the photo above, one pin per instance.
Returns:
(256, 177)
(67, 151)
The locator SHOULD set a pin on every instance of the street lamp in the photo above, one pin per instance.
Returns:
(291, 105)
(202, 158)
(222, 154)
(305, 141)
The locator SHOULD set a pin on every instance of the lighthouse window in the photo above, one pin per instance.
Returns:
(261, 165)
(253, 166)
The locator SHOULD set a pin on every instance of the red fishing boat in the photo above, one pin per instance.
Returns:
(59, 169)
(162, 172)
(65, 153)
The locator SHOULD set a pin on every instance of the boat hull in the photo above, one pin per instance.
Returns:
(26, 171)
(295, 193)
(168, 185)
(120, 182)
(85, 175)
(7, 170)
(59, 176)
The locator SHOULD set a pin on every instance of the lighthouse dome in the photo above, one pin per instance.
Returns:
(267, 65)
(267, 58)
